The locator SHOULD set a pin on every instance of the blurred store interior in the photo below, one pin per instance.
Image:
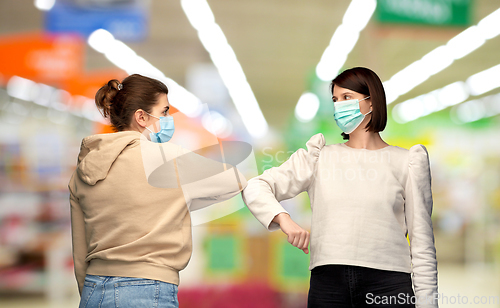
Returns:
(256, 71)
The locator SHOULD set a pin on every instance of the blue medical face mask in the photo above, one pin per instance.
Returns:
(348, 115)
(166, 129)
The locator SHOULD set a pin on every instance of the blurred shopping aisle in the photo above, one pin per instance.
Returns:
(46, 108)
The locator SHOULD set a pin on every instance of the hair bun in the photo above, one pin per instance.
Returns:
(105, 96)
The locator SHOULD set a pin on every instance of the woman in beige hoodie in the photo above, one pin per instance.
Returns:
(131, 196)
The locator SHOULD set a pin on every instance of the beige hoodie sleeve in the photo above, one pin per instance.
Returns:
(205, 181)
(79, 241)
(418, 211)
(294, 176)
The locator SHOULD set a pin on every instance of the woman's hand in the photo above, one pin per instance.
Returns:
(297, 236)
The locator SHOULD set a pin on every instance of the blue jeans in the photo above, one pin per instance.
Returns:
(125, 292)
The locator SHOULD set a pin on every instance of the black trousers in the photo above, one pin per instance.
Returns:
(339, 286)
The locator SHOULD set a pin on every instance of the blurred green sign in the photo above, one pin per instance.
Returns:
(430, 12)
(222, 252)
(295, 264)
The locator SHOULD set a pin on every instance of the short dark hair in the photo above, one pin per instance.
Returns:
(363, 80)
(119, 103)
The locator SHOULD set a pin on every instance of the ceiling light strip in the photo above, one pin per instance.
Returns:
(213, 39)
(449, 95)
(125, 58)
(443, 56)
(345, 38)
(477, 109)
(341, 44)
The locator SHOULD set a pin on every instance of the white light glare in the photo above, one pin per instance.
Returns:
(449, 95)
(484, 81)
(101, 40)
(490, 25)
(44, 5)
(58, 102)
(307, 107)
(470, 111)
(22, 88)
(217, 124)
(200, 17)
(453, 94)
(428, 103)
(345, 37)
(465, 42)
(477, 109)
(213, 39)
(443, 56)
(125, 58)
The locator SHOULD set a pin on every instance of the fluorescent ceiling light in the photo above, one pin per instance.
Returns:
(53, 99)
(477, 109)
(484, 81)
(213, 39)
(44, 5)
(465, 42)
(125, 58)
(307, 107)
(344, 38)
(449, 95)
(443, 56)
(21, 88)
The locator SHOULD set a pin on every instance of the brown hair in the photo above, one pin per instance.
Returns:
(119, 103)
(365, 81)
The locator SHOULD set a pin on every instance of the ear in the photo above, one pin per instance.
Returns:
(141, 117)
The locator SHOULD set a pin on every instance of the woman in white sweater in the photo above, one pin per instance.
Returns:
(366, 197)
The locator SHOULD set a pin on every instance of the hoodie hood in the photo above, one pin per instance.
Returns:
(99, 152)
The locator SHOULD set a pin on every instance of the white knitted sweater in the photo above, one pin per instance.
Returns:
(363, 203)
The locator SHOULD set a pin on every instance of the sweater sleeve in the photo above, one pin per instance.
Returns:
(206, 181)
(79, 241)
(263, 193)
(418, 211)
